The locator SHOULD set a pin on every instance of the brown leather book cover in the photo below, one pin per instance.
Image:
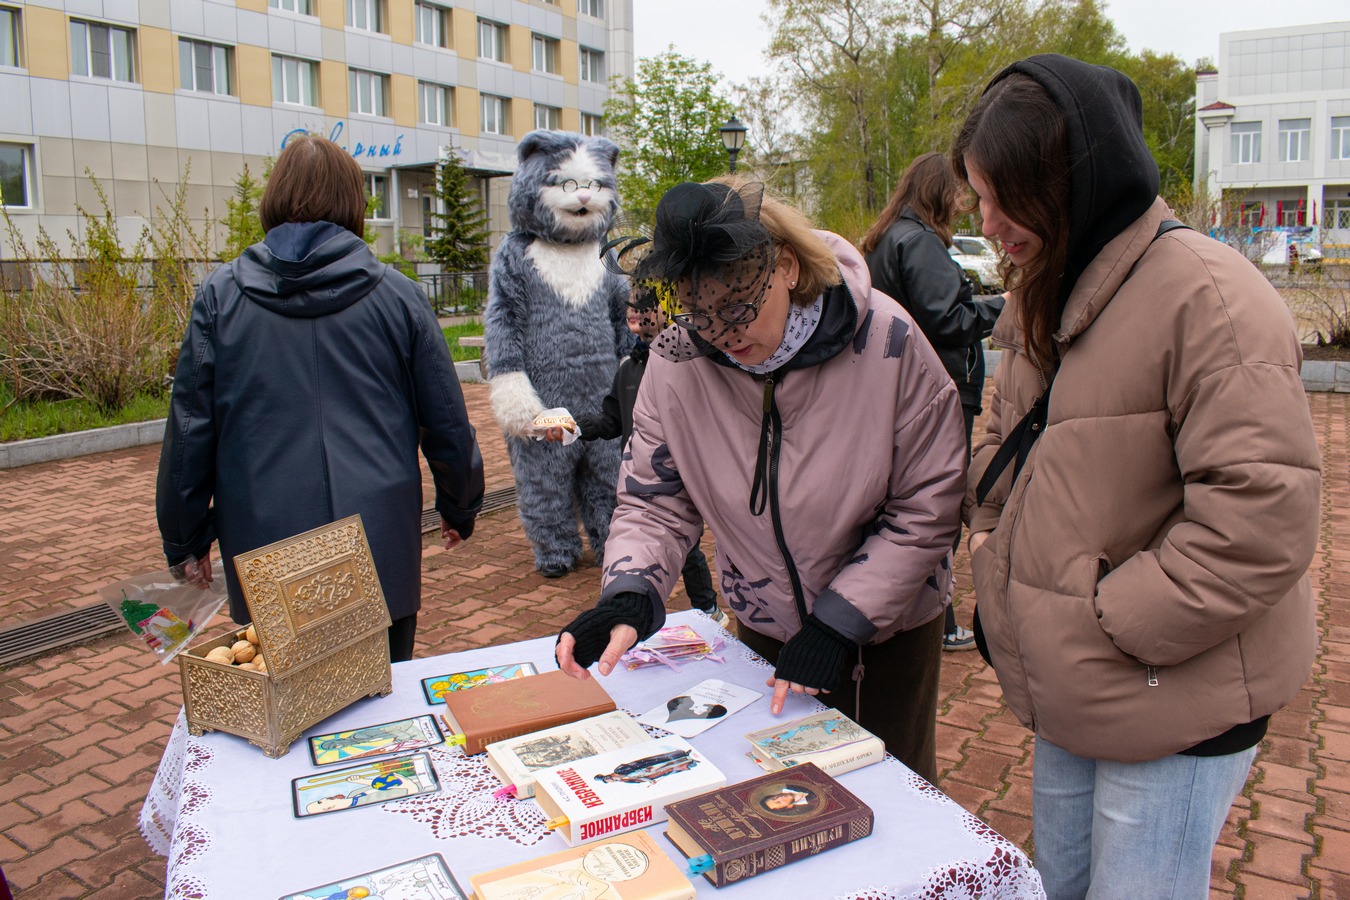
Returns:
(495, 712)
(767, 822)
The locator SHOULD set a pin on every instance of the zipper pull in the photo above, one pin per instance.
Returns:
(1152, 675)
(768, 394)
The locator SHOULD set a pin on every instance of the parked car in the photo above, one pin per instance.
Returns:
(979, 260)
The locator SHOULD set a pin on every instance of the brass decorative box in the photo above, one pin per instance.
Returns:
(322, 623)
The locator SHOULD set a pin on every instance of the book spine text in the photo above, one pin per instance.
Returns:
(618, 822)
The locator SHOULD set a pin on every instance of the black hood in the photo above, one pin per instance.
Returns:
(1113, 178)
(308, 269)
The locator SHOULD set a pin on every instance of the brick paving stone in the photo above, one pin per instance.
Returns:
(57, 547)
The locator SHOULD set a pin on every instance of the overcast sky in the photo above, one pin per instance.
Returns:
(730, 35)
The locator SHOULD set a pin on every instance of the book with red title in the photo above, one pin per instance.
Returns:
(495, 712)
(623, 789)
(515, 760)
(744, 829)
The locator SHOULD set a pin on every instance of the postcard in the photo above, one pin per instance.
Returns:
(417, 733)
(369, 783)
(701, 707)
(438, 686)
(424, 878)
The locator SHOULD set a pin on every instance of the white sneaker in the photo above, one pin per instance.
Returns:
(720, 617)
(963, 639)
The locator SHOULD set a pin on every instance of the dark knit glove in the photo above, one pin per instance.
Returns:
(815, 656)
(591, 629)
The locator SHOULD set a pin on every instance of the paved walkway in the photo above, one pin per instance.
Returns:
(82, 729)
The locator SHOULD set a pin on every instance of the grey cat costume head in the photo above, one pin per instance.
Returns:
(563, 190)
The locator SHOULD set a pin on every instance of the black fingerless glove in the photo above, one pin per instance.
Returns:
(815, 656)
(591, 629)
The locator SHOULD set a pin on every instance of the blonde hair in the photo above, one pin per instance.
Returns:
(818, 267)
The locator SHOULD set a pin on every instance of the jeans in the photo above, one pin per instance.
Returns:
(1143, 831)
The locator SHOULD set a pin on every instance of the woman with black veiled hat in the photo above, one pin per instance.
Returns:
(805, 418)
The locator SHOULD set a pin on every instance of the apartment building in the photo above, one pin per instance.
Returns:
(141, 91)
(1273, 126)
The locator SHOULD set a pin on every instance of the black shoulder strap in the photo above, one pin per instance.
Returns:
(1017, 443)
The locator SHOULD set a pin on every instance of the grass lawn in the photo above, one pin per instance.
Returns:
(20, 421)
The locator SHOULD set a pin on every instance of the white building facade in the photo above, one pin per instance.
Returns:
(1273, 127)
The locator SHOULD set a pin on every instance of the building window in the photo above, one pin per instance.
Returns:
(1340, 137)
(9, 36)
(101, 51)
(16, 162)
(491, 40)
(1295, 140)
(592, 125)
(377, 187)
(1251, 214)
(367, 92)
(1338, 214)
(494, 111)
(294, 81)
(433, 104)
(203, 67)
(546, 117)
(1246, 145)
(363, 14)
(545, 54)
(594, 8)
(592, 65)
(300, 7)
(428, 209)
(432, 25)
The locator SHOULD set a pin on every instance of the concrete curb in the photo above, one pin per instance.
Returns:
(1318, 375)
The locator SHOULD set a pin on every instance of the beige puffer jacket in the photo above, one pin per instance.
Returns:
(1145, 586)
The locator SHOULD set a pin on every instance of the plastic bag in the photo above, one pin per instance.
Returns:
(164, 610)
(558, 418)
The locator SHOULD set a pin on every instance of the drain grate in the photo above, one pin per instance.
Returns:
(76, 626)
(55, 631)
(493, 501)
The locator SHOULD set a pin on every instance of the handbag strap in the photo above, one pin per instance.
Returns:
(1017, 443)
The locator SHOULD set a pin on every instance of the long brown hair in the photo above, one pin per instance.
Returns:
(315, 180)
(1016, 137)
(931, 189)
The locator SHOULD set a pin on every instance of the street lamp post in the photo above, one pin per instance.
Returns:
(733, 138)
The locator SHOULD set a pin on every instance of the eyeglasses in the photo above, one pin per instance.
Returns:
(735, 314)
(571, 186)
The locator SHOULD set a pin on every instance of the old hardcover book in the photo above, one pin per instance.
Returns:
(515, 760)
(622, 789)
(829, 739)
(744, 829)
(627, 867)
(495, 712)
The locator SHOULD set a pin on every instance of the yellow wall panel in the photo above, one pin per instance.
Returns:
(464, 31)
(403, 99)
(569, 119)
(159, 60)
(332, 13)
(259, 6)
(333, 89)
(253, 68)
(522, 117)
(466, 110)
(518, 50)
(569, 67)
(399, 21)
(48, 37)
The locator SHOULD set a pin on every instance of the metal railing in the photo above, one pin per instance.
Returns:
(456, 293)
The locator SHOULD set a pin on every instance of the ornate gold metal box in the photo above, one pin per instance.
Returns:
(322, 622)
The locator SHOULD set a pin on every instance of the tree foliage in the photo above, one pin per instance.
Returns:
(243, 228)
(666, 121)
(459, 234)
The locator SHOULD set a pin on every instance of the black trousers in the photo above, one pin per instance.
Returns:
(899, 691)
(401, 633)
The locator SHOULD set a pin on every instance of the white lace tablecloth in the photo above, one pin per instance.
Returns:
(221, 811)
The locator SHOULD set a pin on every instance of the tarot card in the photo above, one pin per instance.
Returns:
(424, 878)
(438, 686)
(373, 782)
(417, 733)
(701, 707)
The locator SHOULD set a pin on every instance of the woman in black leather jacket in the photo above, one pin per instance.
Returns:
(906, 251)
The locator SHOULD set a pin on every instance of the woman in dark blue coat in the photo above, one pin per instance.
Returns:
(309, 375)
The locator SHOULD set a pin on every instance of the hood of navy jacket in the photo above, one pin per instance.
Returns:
(1113, 178)
(308, 269)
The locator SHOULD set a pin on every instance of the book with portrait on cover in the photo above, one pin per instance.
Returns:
(495, 712)
(829, 739)
(625, 867)
(778, 818)
(515, 760)
(621, 790)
